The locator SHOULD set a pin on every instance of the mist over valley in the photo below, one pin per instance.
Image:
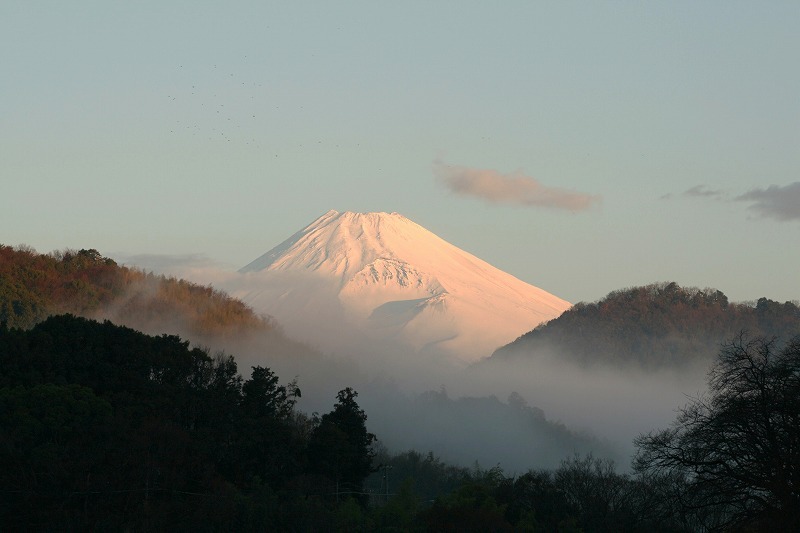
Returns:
(572, 392)
(588, 380)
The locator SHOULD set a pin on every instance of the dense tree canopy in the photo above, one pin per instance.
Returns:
(103, 427)
(658, 325)
(340, 447)
(106, 428)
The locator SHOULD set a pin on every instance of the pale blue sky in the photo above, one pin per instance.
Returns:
(220, 128)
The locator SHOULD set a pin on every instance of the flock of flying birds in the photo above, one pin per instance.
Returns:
(221, 106)
(203, 112)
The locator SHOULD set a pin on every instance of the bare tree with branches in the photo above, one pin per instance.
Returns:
(736, 449)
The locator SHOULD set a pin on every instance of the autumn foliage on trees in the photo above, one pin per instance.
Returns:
(657, 325)
(84, 283)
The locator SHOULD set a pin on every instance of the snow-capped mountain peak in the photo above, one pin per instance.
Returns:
(394, 278)
(341, 243)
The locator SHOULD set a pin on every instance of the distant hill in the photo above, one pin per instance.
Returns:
(487, 429)
(657, 325)
(34, 286)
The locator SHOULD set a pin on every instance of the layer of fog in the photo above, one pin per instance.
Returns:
(519, 415)
(523, 414)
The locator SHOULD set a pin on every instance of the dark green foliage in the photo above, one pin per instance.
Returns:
(471, 507)
(263, 397)
(50, 435)
(533, 501)
(400, 511)
(103, 427)
(107, 428)
(429, 476)
(340, 447)
(584, 494)
(268, 443)
(127, 398)
(659, 325)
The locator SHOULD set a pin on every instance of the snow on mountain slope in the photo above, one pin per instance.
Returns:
(391, 279)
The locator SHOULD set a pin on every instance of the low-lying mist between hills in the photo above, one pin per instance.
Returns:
(521, 413)
(614, 403)
(426, 406)
(518, 414)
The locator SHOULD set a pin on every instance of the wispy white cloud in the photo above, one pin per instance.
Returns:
(780, 203)
(512, 189)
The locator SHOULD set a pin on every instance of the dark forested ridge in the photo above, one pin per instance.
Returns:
(658, 325)
(106, 428)
(34, 286)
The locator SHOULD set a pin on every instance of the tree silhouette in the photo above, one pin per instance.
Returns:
(340, 447)
(737, 448)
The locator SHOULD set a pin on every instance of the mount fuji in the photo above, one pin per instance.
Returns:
(382, 277)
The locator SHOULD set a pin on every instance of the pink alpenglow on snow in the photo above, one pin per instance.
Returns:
(391, 279)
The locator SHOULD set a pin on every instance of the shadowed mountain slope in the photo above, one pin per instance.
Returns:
(657, 325)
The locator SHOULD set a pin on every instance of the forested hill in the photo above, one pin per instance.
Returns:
(105, 428)
(34, 286)
(657, 325)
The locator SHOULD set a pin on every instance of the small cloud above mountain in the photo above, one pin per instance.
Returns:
(511, 189)
(780, 203)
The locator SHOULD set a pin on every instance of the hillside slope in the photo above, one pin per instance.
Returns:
(34, 286)
(658, 325)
